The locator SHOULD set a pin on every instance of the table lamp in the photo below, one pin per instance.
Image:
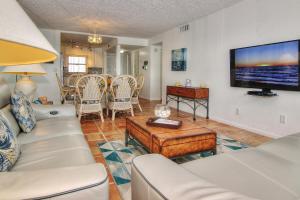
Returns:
(21, 42)
(25, 84)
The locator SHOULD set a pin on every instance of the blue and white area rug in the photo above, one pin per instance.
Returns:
(119, 157)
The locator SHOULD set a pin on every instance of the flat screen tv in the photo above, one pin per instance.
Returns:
(270, 66)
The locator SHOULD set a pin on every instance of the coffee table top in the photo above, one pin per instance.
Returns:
(187, 129)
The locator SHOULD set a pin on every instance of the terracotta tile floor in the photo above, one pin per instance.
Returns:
(95, 132)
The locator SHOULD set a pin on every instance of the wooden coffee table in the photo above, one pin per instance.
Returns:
(189, 138)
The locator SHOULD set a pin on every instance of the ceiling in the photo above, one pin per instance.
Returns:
(133, 18)
(81, 40)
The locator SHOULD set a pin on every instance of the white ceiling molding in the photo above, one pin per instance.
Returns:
(130, 18)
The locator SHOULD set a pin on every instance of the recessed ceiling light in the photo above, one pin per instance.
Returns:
(122, 51)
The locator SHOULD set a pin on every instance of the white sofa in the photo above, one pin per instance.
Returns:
(268, 172)
(55, 160)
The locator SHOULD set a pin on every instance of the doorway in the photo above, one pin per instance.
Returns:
(79, 56)
(130, 59)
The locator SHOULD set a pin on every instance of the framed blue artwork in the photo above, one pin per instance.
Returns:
(179, 57)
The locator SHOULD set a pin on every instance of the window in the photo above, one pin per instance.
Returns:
(77, 64)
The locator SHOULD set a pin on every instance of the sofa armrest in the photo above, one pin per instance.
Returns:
(155, 177)
(49, 111)
(55, 182)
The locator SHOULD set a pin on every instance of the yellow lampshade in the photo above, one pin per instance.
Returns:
(28, 70)
(21, 42)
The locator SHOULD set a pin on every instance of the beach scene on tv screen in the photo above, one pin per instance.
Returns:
(269, 64)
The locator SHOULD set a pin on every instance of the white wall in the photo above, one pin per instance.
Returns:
(250, 22)
(152, 85)
(125, 63)
(155, 71)
(111, 63)
(135, 62)
(144, 56)
(49, 79)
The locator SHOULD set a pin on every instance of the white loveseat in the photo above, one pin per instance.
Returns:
(268, 172)
(55, 160)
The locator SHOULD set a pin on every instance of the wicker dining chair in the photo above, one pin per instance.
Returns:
(72, 79)
(64, 91)
(135, 98)
(90, 89)
(121, 91)
(109, 78)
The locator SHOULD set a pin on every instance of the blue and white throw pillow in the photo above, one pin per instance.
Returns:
(23, 112)
(9, 147)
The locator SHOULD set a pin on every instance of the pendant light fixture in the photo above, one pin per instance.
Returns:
(95, 39)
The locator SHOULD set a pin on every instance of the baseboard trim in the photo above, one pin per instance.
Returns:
(150, 99)
(245, 127)
(235, 124)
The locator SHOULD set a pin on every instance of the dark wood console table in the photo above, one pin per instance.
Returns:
(198, 96)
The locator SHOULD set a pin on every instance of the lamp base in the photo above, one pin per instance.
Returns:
(27, 86)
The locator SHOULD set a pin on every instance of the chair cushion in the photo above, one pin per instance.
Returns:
(91, 102)
(23, 112)
(6, 113)
(64, 151)
(51, 128)
(9, 147)
(122, 100)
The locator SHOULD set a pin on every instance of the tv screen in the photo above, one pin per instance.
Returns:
(271, 66)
